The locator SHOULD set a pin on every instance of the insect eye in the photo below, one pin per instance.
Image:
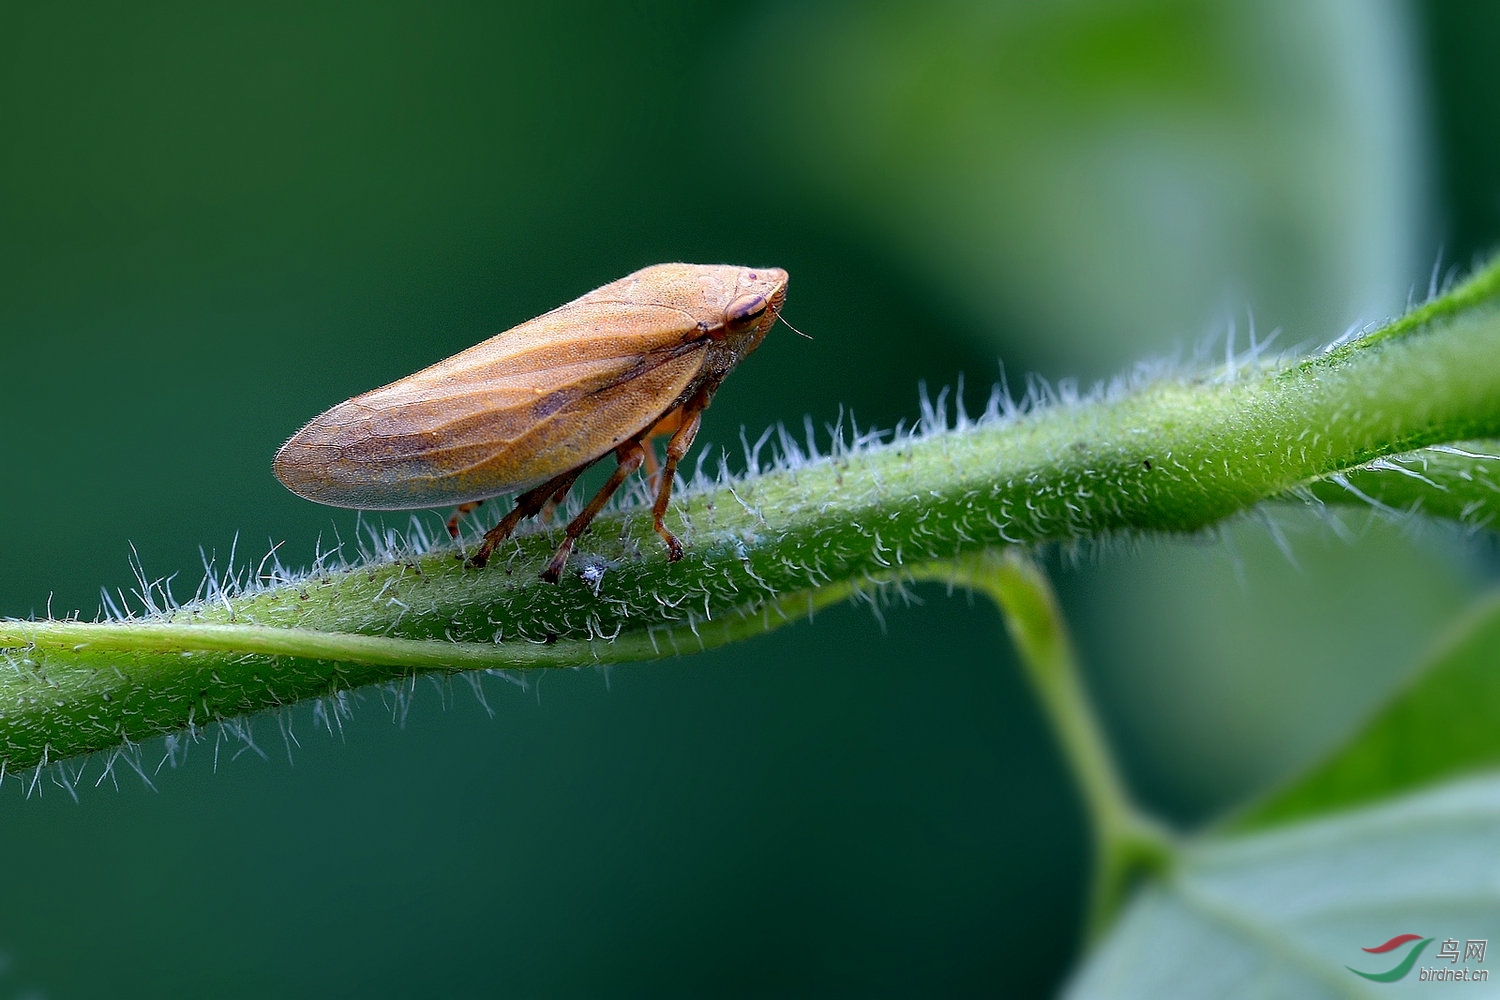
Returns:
(743, 312)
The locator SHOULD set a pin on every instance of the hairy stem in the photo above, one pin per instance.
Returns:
(1173, 455)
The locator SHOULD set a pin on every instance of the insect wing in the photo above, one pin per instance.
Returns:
(549, 395)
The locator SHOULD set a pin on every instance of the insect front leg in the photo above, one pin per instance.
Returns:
(527, 504)
(630, 455)
(682, 440)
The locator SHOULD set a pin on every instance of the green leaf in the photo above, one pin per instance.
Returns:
(1288, 912)
(1441, 725)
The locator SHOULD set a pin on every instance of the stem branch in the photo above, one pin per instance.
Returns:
(1128, 844)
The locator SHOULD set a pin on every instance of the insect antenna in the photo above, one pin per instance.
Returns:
(792, 328)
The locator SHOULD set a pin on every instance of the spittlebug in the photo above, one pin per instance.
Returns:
(528, 410)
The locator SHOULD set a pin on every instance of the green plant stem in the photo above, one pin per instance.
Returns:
(1128, 844)
(1173, 455)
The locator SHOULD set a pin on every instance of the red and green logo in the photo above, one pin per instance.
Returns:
(1402, 967)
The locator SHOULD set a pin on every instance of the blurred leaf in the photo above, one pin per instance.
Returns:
(1101, 175)
(1286, 913)
(1441, 725)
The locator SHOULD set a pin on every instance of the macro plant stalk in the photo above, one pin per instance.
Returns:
(1173, 453)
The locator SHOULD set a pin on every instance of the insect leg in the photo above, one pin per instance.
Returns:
(553, 502)
(527, 504)
(682, 440)
(629, 455)
(663, 427)
(458, 515)
(651, 465)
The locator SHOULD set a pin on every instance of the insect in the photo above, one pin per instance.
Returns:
(530, 409)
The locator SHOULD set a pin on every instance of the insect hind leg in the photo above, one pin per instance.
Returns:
(527, 504)
(553, 502)
(629, 455)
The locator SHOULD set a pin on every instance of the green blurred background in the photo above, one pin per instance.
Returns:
(214, 224)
